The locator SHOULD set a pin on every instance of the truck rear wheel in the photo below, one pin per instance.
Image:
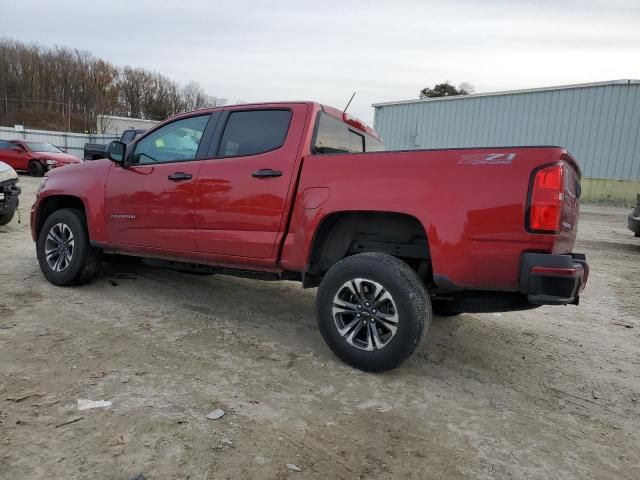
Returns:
(372, 311)
(64, 253)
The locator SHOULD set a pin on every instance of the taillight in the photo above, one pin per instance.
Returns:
(545, 212)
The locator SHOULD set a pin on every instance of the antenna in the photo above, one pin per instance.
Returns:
(349, 103)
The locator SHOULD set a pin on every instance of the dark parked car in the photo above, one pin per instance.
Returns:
(633, 220)
(94, 151)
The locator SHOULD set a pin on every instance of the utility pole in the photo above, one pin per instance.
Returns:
(69, 127)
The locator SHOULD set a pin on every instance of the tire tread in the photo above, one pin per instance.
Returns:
(90, 264)
(404, 275)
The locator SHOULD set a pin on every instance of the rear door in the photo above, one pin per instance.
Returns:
(243, 185)
(150, 203)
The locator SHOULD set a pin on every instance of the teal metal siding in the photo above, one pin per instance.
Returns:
(599, 124)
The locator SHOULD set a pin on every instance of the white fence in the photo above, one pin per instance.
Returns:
(72, 143)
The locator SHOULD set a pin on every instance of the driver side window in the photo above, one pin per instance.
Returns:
(175, 142)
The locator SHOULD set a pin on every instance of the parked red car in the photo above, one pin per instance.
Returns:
(34, 157)
(301, 191)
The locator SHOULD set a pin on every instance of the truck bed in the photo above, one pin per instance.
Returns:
(471, 202)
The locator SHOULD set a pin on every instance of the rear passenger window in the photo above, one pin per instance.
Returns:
(4, 145)
(253, 132)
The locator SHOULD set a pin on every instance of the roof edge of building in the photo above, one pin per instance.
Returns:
(511, 92)
(135, 119)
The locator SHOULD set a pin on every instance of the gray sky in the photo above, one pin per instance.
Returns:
(286, 50)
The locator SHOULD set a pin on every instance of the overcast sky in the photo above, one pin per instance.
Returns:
(324, 50)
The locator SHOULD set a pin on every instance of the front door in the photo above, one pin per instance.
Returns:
(245, 181)
(150, 203)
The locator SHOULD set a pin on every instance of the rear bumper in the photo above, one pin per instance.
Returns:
(553, 279)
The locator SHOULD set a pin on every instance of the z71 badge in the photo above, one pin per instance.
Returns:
(487, 158)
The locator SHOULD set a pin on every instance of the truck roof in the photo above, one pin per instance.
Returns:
(315, 107)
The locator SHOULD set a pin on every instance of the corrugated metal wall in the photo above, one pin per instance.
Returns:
(72, 143)
(599, 124)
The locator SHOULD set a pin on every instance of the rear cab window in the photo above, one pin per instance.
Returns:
(335, 136)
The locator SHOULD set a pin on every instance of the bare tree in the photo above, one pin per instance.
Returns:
(193, 96)
(60, 88)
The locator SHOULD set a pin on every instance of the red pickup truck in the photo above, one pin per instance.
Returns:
(302, 191)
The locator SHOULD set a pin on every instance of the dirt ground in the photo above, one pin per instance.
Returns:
(552, 393)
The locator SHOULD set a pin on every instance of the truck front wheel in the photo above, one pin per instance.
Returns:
(372, 311)
(64, 253)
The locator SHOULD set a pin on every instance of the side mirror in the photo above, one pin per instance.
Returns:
(115, 151)
(18, 149)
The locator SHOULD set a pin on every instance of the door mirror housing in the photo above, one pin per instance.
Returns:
(115, 152)
(18, 149)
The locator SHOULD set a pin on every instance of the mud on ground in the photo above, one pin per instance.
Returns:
(552, 393)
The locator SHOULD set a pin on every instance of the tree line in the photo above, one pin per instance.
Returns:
(446, 89)
(66, 89)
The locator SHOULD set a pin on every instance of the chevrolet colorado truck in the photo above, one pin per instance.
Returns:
(302, 191)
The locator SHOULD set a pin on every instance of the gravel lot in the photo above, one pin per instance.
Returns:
(551, 393)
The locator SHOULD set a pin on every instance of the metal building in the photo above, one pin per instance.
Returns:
(599, 123)
(113, 125)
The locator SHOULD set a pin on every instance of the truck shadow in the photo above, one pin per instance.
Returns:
(498, 348)
(244, 323)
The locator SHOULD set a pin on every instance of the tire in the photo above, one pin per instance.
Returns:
(403, 299)
(83, 261)
(36, 169)
(7, 217)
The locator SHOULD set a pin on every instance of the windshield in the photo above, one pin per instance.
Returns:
(42, 147)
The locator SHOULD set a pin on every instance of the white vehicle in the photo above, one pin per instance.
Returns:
(9, 192)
